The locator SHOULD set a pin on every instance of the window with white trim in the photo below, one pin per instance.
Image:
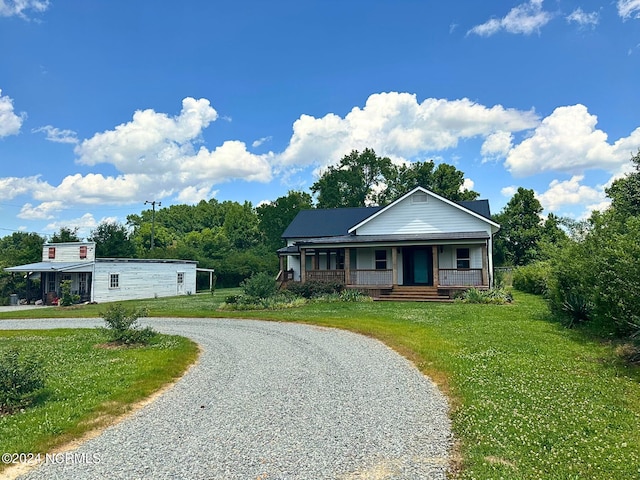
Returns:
(114, 280)
(180, 278)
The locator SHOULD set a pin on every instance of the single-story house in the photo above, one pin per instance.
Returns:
(421, 246)
(107, 279)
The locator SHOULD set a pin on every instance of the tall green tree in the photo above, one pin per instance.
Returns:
(354, 182)
(443, 179)
(362, 179)
(65, 234)
(112, 241)
(274, 217)
(517, 242)
(19, 248)
(625, 192)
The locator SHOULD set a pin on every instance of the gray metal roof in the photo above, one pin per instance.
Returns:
(53, 267)
(86, 266)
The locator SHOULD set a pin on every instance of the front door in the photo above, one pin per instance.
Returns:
(417, 266)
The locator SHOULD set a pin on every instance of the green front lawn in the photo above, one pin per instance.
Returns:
(88, 385)
(530, 399)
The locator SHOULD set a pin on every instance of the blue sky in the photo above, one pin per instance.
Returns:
(107, 104)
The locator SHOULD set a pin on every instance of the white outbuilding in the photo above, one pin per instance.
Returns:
(107, 279)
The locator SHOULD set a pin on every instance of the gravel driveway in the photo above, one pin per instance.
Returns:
(273, 400)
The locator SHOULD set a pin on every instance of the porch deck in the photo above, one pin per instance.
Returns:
(380, 283)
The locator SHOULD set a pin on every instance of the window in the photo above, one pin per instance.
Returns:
(82, 283)
(83, 252)
(51, 282)
(114, 280)
(180, 278)
(381, 259)
(52, 253)
(463, 259)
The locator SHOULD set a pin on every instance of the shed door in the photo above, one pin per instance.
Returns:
(180, 283)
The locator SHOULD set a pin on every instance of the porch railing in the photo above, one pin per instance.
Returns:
(451, 277)
(371, 277)
(356, 277)
(325, 276)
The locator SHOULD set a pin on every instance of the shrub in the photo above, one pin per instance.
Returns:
(578, 309)
(123, 327)
(495, 296)
(532, 278)
(314, 289)
(20, 381)
(260, 286)
(67, 298)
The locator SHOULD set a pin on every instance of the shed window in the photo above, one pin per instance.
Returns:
(180, 278)
(381, 259)
(83, 251)
(114, 280)
(52, 252)
(463, 259)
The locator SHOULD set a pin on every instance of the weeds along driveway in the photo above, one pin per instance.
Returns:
(272, 401)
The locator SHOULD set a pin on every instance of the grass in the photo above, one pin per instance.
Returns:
(87, 386)
(530, 399)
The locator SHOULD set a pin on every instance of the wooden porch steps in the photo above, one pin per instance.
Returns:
(405, 293)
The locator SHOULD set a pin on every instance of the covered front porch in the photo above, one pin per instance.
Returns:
(428, 270)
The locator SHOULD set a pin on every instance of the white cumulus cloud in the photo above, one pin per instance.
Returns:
(10, 123)
(568, 141)
(526, 19)
(570, 192)
(156, 157)
(398, 126)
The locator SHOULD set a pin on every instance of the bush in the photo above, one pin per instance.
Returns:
(123, 327)
(578, 309)
(260, 286)
(532, 278)
(20, 381)
(314, 289)
(67, 298)
(495, 296)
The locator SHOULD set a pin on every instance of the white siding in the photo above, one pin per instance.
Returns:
(139, 280)
(69, 252)
(432, 216)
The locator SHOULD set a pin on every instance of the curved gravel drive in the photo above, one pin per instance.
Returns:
(274, 401)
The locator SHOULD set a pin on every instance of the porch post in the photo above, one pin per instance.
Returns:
(394, 266)
(303, 264)
(282, 262)
(485, 269)
(435, 262)
(347, 266)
